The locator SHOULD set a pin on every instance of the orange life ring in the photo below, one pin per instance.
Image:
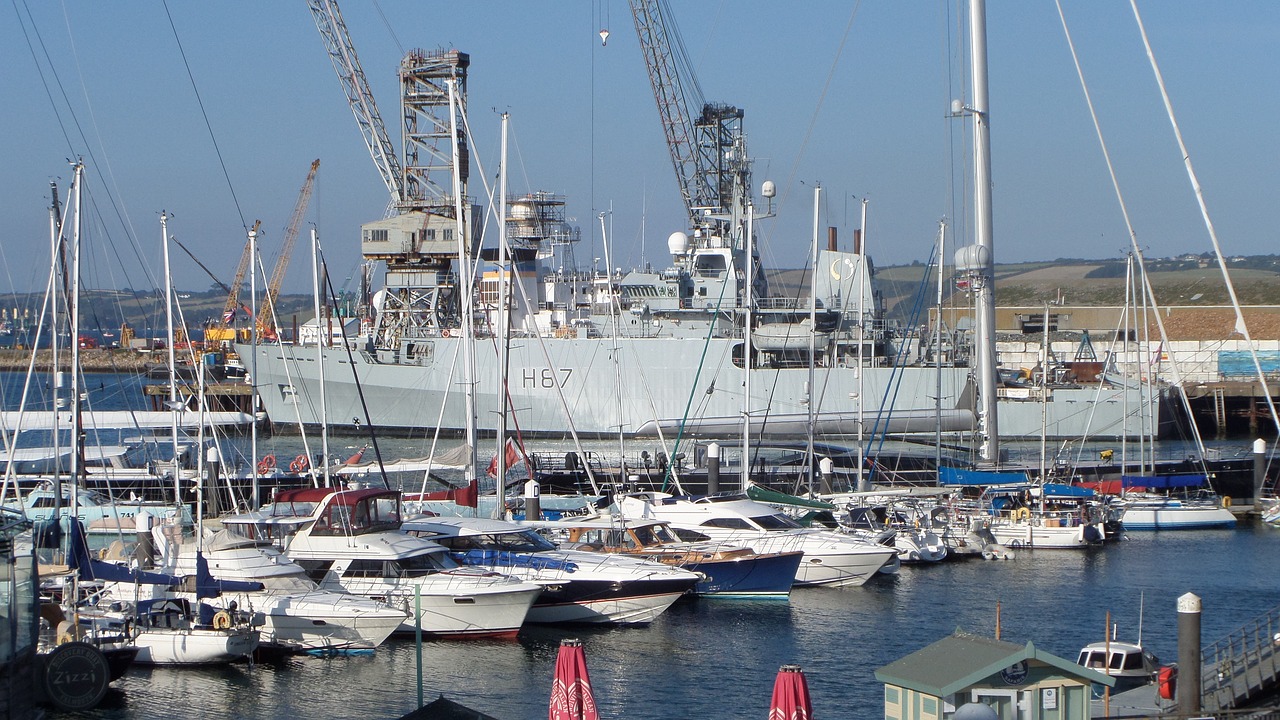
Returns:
(266, 464)
(299, 464)
(444, 332)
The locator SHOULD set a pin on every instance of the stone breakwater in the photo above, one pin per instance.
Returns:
(95, 360)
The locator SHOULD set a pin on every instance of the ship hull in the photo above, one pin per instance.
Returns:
(651, 386)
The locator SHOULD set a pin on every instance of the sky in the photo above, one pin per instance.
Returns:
(213, 112)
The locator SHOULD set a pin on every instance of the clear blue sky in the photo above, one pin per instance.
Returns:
(584, 122)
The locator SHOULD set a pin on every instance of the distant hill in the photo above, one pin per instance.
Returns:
(1187, 280)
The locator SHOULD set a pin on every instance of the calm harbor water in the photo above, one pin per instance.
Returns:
(706, 659)
(717, 659)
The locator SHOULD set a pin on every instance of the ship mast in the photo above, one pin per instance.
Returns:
(977, 261)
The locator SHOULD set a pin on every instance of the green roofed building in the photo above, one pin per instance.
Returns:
(1016, 682)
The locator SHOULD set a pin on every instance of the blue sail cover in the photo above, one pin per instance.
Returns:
(1164, 482)
(958, 476)
(1057, 490)
(88, 569)
(207, 586)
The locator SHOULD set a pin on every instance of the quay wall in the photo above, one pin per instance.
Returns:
(1197, 361)
(92, 360)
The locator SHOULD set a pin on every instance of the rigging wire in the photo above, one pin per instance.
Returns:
(203, 113)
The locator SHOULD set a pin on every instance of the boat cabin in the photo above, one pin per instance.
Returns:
(1129, 664)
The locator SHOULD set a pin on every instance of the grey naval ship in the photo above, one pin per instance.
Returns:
(529, 335)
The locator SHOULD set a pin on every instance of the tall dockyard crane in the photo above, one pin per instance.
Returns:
(708, 150)
(266, 311)
(333, 30)
(419, 239)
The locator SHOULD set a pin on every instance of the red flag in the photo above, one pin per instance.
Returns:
(513, 457)
(468, 496)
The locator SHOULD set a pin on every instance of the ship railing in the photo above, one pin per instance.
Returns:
(1243, 666)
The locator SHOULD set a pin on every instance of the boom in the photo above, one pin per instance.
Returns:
(267, 310)
(345, 63)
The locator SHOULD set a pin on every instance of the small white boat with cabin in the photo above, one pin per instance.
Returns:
(577, 586)
(830, 558)
(351, 541)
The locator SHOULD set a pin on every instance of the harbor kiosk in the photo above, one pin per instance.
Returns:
(1018, 682)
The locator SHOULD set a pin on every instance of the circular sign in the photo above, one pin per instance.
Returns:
(1015, 674)
(76, 676)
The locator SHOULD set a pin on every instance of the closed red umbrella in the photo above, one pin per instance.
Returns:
(571, 697)
(790, 695)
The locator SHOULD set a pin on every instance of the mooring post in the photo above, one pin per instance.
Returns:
(1188, 655)
(1259, 471)
(826, 467)
(532, 501)
(713, 468)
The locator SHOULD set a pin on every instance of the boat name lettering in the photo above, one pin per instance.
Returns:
(545, 377)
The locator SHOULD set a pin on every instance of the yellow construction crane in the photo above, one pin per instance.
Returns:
(224, 331)
(267, 325)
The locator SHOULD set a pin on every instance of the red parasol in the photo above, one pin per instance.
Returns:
(790, 695)
(571, 697)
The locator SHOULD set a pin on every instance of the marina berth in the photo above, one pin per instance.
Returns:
(168, 631)
(577, 586)
(290, 611)
(727, 571)
(831, 559)
(351, 541)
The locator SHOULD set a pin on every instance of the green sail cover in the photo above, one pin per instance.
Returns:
(774, 497)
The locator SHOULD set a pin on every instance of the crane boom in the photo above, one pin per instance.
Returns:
(267, 310)
(708, 149)
(333, 30)
(233, 292)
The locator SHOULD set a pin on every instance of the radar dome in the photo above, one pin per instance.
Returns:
(678, 243)
(973, 257)
(768, 189)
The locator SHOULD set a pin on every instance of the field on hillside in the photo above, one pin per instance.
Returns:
(1078, 282)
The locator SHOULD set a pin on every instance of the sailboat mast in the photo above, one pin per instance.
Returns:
(988, 426)
(173, 369)
(813, 336)
(323, 335)
(504, 321)
(466, 277)
(73, 311)
(746, 347)
(55, 245)
(253, 364)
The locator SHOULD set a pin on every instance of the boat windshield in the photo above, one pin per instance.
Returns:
(777, 521)
(413, 566)
(522, 541)
(649, 535)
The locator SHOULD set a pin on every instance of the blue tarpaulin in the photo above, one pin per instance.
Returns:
(1162, 482)
(958, 476)
(1070, 491)
(512, 559)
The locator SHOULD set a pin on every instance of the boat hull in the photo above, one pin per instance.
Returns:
(634, 602)
(1176, 516)
(454, 610)
(194, 646)
(759, 575)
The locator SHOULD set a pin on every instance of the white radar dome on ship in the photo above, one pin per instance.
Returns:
(678, 243)
(768, 189)
(379, 299)
(522, 210)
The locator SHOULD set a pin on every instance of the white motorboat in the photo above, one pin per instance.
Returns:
(98, 512)
(290, 611)
(578, 586)
(351, 541)
(1129, 663)
(830, 558)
